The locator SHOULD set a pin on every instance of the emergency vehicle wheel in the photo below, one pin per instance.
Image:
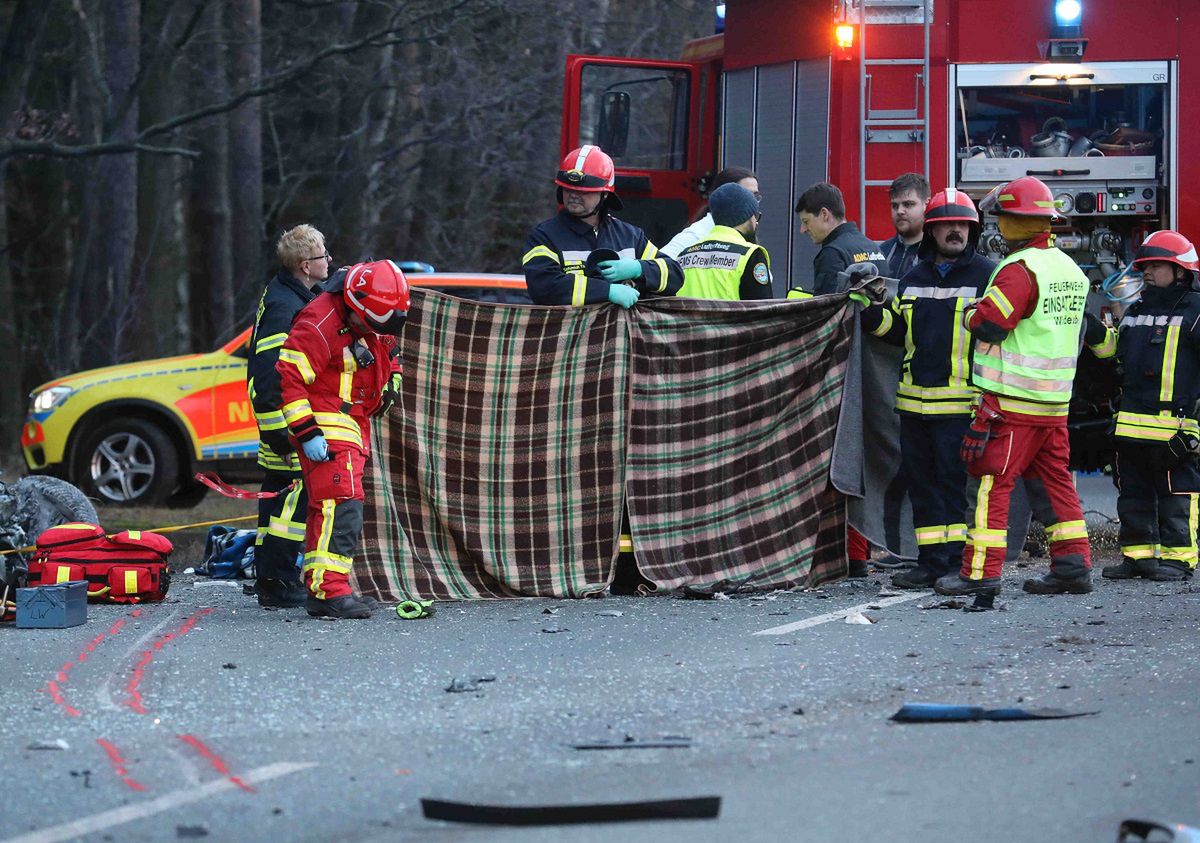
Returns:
(129, 462)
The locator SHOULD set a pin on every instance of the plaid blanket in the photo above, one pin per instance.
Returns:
(522, 432)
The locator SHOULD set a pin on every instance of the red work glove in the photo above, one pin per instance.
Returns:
(974, 442)
(976, 438)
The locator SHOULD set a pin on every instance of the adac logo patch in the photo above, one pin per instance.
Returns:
(761, 274)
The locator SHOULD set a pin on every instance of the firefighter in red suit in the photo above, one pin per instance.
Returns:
(337, 369)
(1027, 331)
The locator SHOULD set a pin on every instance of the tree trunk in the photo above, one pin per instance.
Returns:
(160, 268)
(108, 291)
(25, 27)
(210, 243)
(244, 28)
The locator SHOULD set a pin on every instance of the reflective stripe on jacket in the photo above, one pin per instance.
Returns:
(725, 266)
(325, 390)
(1158, 344)
(282, 299)
(1036, 361)
(557, 251)
(925, 318)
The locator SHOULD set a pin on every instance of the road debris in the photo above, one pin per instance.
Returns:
(951, 713)
(467, 684)
(698, 808)
(859, 618)
(630, 742)
(57, 743)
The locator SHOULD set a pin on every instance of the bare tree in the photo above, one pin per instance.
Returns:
(243, 28)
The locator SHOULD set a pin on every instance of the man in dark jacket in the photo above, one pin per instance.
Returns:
(557, 269)
(908, 194)
(934, 395)
(822, 214)
(303, 265)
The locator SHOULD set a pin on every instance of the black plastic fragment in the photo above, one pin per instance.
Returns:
(698, 808)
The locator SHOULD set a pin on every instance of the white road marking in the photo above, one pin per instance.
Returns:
(841, 613)
(140, 810)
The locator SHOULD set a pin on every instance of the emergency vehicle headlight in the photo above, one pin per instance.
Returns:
(1068, 12)
(48, 399)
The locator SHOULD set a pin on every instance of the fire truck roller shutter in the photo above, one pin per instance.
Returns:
(776, 140)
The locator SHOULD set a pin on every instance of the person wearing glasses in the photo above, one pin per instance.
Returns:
(727, 263)
(699, 230)
(303, 265)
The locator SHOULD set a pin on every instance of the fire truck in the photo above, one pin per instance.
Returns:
(1087, 95)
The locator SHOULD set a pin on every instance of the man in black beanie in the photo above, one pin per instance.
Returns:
(727, 263)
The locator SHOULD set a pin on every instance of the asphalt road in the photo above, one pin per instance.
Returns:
(207, 717)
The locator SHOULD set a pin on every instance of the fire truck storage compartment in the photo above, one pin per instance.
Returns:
(1099, 134)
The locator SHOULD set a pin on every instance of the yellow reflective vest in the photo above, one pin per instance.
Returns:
(714, 267)
(1036, 361)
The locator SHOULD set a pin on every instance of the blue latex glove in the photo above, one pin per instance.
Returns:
(622, 269)
(316, 449)
(625, 296)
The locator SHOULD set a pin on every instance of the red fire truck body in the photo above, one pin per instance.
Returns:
(969, 92)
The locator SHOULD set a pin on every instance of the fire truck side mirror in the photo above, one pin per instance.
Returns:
(613, 131)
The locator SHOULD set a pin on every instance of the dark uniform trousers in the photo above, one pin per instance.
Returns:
(1157, 505)
(929, 455)
(280, 537)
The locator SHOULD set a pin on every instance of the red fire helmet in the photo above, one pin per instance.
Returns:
(1023, 197)
(589, 170)
(378, 292)
(1169, 246)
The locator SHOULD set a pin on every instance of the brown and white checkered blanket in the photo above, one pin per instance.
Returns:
(522, 431)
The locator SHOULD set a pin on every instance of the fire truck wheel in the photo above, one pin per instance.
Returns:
(127, 462)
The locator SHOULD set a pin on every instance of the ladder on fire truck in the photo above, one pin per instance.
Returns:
(884, 125)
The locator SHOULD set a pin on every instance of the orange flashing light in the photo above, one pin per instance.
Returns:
(844, 36)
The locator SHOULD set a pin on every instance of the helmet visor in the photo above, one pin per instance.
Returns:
(388, 322)
(990, 203)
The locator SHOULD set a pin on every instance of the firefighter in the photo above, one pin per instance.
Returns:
(338, 368)
(1157, 434)
(557, 250)
(934, 395)
(909, 195)
(698, 230)
(304, 264)
(727, 263)
(822, 212)
(1027, 330)
(585, 255)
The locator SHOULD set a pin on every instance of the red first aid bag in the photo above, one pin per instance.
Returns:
(125, 567)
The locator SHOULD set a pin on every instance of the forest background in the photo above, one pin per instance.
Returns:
(152, 151)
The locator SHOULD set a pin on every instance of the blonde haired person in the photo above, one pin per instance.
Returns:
(304, 263)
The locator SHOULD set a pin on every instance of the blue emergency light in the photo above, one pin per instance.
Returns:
(1068, 18)
(719, 21)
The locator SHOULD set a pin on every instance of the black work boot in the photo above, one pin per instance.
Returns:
(858, 568)
(921, 576)
(955, 584)
(1054, 584)
(346, 606)
(1171, 570)
(280, 594)
(1129, 569)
